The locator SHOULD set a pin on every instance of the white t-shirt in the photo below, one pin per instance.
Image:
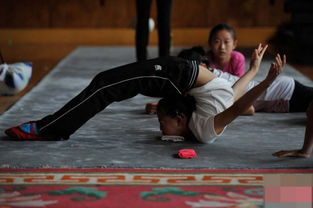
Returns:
(232, 78)
(211, 99)
(274, 99)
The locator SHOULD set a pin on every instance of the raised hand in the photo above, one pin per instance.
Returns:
(291, 153)
(257, 56)
(276, 68)
(240, 86)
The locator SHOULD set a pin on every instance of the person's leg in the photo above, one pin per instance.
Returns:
(142, 28)
(157, 77)
(301, 98)
(164, 26)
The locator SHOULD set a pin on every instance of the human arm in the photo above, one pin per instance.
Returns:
(240, 86)
(307, 148)
(224, 118)
(249, 111)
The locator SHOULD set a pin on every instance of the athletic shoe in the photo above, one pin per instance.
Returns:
(27, 131)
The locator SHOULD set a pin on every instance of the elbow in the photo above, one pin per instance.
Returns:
(250, 111)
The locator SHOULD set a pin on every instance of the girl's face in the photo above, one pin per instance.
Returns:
(172, 126)
(223, 44)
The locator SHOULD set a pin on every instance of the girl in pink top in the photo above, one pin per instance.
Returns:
(222, 42)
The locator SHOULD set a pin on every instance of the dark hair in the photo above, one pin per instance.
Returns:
(176, 105)
(195, 53)
(221, 27)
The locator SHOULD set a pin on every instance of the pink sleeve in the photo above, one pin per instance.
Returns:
(238, 64)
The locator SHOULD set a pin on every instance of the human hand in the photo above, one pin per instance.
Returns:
(291, 153)
(276, 68)
(151, 108)
(257, 56)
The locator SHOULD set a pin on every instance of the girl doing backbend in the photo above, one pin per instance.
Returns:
(217, 102)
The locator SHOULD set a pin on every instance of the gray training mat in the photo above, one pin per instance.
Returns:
(124, 136)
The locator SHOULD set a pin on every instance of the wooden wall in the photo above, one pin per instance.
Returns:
(121, 13)
(42, 29)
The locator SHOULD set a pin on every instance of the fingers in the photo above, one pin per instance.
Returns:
(284, 60)
(282, 153)
(279, 63)
(260, 50)
(263, 50)
(273, 66)
(275, 69)
(290, 153)
(286, 153)
(278, 60)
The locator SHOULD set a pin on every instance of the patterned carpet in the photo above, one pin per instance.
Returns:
(138, 188)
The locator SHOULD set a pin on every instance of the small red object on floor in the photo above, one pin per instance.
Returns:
(187, 153)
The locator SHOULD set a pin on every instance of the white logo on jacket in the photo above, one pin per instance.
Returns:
(157, 67)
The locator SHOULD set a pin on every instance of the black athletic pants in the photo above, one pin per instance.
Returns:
(301, 98)
(142, 27)
(156, 77)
